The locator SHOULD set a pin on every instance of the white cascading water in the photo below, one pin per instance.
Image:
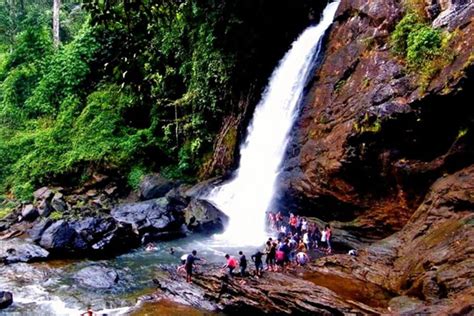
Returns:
(248, 196)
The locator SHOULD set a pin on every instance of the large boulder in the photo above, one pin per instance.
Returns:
(18, 250)
(104, 236)
(153, 217)
(6, 299)
(60, 237)
(154, 186)
(97, 277)
(203, 217)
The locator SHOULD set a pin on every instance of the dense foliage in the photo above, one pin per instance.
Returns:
(425, 49)
(135, 86)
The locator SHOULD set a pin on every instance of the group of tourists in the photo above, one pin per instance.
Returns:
(299, 228)
(296, 238)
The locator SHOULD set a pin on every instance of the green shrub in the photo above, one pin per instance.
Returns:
(56, 216)
(399, 38)
(65, 75)
(425, 49)
(423, 45)
(135, 176)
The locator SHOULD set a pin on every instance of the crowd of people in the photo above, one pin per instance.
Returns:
(296, 237)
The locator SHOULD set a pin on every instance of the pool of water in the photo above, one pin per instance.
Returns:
(50, 288)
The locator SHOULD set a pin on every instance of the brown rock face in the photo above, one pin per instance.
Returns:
(274, 294)
(372, 139)
(431, 258)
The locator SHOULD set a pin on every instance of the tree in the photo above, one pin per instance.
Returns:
(56, 8)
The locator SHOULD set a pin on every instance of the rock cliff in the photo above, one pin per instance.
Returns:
(375, 133)
(385, 151)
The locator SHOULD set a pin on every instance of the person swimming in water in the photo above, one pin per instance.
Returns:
(150, 247)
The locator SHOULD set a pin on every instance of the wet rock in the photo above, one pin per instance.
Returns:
(103, 236)
(155, 217)
(18, 250)
(155, 186)
(6, 299)
(203, 217)
(29, 212)
(97, 277)
(59, 237)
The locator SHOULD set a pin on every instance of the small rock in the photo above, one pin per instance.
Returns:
(57, 203)
(91, 193)
(44, 208)
(6, 299)
(97, 277)
(29, 212)
(111, 190)
(43, 193)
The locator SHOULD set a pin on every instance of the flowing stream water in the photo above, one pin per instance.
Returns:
(50, 288)
(248, 197)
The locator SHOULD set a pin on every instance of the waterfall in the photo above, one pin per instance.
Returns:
(247, 197)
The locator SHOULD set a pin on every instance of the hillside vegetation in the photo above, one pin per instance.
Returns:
(134, 86)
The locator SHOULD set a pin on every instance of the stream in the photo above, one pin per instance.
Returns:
(49, 288)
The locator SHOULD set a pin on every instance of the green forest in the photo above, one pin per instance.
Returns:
(131, 86)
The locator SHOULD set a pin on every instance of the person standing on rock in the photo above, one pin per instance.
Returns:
(189, 265)
(293, 223)
(302, 258)
(278, 220)
(270, 251)
(257, 258)
(230, 264)
(271, 220)
(242, 263)
(328, 238)
(324, 239)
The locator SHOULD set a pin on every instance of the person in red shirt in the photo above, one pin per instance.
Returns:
(293, 223)
(231, 264)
